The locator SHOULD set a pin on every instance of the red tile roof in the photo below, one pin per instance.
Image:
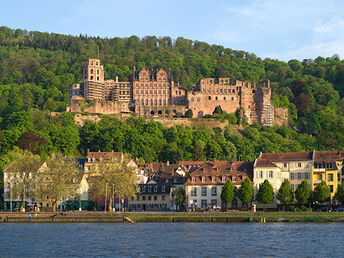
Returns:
(264, 163)
(330, 156)
(100, 154)
(288, 156)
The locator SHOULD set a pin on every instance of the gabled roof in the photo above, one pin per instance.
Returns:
(265, 163)
(153, 74)
(287, 156)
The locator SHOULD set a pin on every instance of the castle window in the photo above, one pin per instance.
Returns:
(91, 77)
(91, 62)
(155, 92)
(156, 102)
(220, 90)
(159, 79)
(164, 85)
(146, 102)
(160, 85)
(224, 98)
(253, 91)
(146, 85)
(233, 91)
(97, 78)
(232, 98)
(192, 99)
(151, 102)
(225, 91)
(97, 63)
(211, 81)
(142, 85)
(159, 91)
(164, 101)
(198, 99)
(155, 84)
(141, 91)
(164, 92)
(160, 103)
(150, 92)
(217, 90)
(209, 98)
(229, 91)
(216, 98)
(146, 92)
(180, 93)
(176, 92)
(91, 71)
(97, 71)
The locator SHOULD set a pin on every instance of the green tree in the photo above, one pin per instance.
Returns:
(189, 113)
(245, 192)
(285, 194)
(180, 198)
(22, 175)
(227, 194)
(303, 193)
(265, 193)
(321, 192)
(340, 194)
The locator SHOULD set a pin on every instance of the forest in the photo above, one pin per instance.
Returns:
(37, 68)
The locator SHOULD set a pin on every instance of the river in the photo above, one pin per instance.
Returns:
(171, 239)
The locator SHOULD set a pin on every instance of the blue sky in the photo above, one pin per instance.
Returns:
(269, 28)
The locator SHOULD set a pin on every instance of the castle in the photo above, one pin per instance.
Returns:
(154, 93)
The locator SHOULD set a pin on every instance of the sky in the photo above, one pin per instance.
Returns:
(279, 29)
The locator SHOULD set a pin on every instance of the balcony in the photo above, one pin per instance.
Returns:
(319, 169)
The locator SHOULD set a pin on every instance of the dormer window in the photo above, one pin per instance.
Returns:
(213, 179)
(163, 189)
(194, 180)
(223, 179)
(175, 180)
(144, 189)
(167, 180)
(234, 179)
(93, 159)
(149, 189)
(89, 159)
(203, 179)
(155, 189)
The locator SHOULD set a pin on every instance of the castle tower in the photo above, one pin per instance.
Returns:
(93, 86)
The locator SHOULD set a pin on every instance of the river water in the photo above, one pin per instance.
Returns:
(172, 239)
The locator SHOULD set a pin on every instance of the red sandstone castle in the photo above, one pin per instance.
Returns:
(154, 93)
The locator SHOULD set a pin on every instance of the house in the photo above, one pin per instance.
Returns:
(205, 182)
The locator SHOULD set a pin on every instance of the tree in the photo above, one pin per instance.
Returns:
(180, 198)
(31, 142)
(303, 193)
(245, 192)
(227, 194)
(321, 192)
(189, 113)
(340, 193)
(58, 179)
(114, 178)
(21, 175)
(285, 194)
(218, 110)
(265, 193)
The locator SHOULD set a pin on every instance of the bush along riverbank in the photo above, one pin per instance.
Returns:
(230, 217)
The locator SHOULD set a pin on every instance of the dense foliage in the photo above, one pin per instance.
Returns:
(36, 69)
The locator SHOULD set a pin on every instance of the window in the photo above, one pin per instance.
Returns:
(194, 180)
(270, 174)
(149, 189)
(132, 198)
(320, 177)
(223, 179)
(155, 198)
(292, 175)
(331, 188)
(224, 98)
(175, 180)
(149, 198)
(137, 198)
(259, 174)
(209, 98)
(163, 189)
(163, 197)
(216, 98)
(204, 191)
(143, 198)
(330, 177)
(166, 180)
(292, 187)
(47, 197)
(299, 176)
(213, 179)
(214, 191)
(306, 175)
(144, 189)
(234, 179)
(213, 202)
(299, 165)
(203, 179)
(194, 191)
(155, 189)
(203, 204)
(285, 165)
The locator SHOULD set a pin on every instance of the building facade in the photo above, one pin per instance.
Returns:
(154, 93)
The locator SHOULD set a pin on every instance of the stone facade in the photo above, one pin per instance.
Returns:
(154, 93)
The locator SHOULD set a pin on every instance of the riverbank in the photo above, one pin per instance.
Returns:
(116, 217)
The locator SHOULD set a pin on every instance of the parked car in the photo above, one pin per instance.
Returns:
(339, 209)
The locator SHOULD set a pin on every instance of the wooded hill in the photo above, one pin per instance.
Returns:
(37, 68)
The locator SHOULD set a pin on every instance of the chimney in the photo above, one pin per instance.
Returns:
(116, 78)
(111, 150)
(168, 163)
(88, 151)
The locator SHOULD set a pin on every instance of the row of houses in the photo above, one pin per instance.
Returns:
(201, 182)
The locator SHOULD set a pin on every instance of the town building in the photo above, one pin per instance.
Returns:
(205, 182)
(152, 92)
(160, 190)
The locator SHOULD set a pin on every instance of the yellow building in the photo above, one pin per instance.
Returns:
(328, 167)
